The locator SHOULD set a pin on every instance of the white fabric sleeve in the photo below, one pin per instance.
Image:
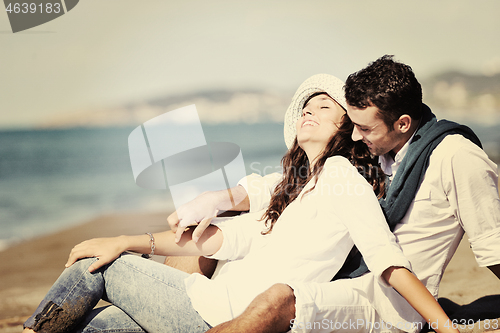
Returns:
(471, 182)
(238, 234)
(259, 189)
(349, 197)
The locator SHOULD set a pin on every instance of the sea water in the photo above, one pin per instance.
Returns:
(53, 179)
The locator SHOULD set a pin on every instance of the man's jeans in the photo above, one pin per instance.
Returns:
(146, 297)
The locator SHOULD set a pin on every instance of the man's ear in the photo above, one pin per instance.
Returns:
(403, 124)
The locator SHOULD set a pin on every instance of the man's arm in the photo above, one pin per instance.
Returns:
(471, 183)
(270, 312)
(193, 264)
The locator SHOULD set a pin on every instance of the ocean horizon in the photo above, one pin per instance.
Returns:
(52, 179)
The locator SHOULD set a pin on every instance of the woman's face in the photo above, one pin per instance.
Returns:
(320, 120)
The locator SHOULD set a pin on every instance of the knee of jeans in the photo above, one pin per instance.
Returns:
(82, 264)
(78, 268)
(56, 318)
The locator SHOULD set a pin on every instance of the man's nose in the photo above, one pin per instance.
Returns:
(356, 134)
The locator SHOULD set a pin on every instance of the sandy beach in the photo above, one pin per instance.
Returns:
(28, 269)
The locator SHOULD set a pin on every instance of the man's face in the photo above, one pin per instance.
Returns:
(372, 130)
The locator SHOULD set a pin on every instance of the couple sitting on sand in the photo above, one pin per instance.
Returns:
(306, 227)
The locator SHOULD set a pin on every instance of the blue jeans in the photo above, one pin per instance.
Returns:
(146, 297)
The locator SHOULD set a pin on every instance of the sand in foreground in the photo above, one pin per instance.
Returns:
(28, 269)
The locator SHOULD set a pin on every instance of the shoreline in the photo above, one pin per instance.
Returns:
(29, 268)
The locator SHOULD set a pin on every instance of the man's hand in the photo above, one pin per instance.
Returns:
(104, 249)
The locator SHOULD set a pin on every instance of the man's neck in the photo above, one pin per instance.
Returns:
(405, 138)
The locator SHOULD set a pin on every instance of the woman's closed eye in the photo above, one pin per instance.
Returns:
(362, 129)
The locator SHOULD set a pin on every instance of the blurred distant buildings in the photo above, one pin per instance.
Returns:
(453, 95)
(216, 106)
(468, 97)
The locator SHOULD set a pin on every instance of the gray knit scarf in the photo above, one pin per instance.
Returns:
(404, 186)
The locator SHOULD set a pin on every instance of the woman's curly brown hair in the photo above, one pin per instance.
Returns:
(296, 171)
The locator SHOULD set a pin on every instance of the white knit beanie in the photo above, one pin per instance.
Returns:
(329, 84)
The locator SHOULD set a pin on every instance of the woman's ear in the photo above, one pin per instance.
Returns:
(403, 124)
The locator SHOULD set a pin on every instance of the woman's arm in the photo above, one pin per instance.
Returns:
(253, 193)
(108, 249)
(204, 207)
(410, 287)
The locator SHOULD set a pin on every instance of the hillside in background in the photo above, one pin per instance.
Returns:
(217, 106)
(462, 96)
(453, 95)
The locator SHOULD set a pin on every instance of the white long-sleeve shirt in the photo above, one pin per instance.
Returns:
(309, 242)
(459, 192)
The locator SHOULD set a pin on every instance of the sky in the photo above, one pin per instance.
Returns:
(105, 53)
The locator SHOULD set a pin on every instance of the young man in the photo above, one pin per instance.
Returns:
(441, 184)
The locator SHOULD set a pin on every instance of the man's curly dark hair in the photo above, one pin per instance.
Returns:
(390, 86)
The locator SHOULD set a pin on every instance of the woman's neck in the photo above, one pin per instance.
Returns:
(313, 153)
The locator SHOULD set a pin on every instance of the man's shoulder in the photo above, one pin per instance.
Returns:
(459, 153)
(455, 144)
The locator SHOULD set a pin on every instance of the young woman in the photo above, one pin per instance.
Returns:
(321, 208)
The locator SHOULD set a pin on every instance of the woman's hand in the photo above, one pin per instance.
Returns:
(204, 207)
(198, 211)
(104, 249)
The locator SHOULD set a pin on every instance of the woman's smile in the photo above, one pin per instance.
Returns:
(310, 123)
